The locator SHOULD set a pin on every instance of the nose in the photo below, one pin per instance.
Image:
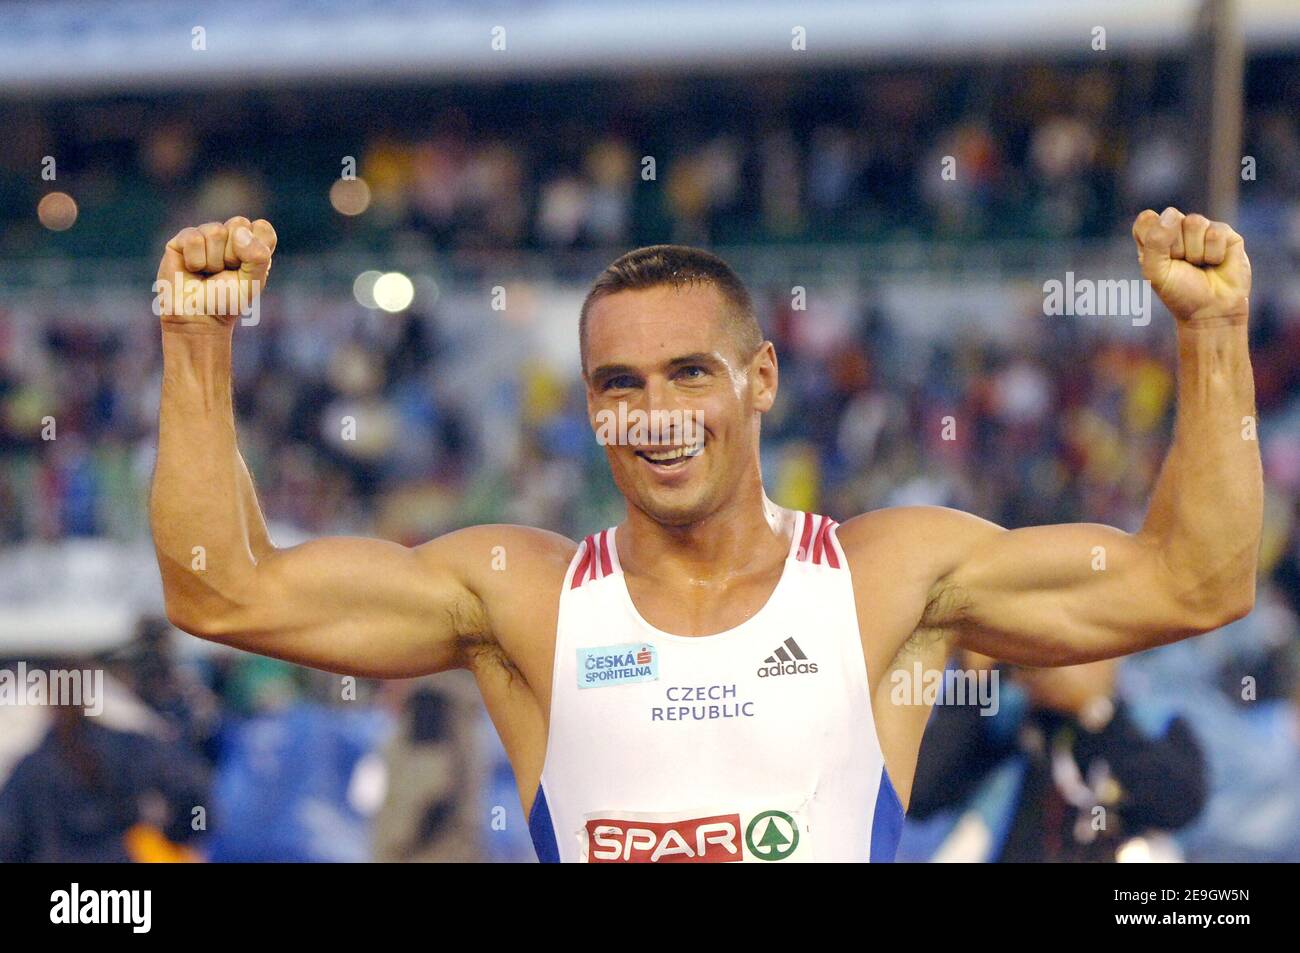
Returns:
(660, 397)
(666, 412)
(657, 394)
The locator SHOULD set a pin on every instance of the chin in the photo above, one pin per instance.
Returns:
(669, 512)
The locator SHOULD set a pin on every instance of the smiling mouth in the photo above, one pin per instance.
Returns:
(667, 458)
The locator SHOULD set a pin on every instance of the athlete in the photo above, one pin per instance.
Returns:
(712, 679)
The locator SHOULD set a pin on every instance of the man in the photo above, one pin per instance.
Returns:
(711, 679)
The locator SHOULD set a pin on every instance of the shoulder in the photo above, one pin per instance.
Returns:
(931, 539)
(493, 554)
(528, 539)
(509, 580)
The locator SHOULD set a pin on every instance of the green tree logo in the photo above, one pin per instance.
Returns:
(779, 838)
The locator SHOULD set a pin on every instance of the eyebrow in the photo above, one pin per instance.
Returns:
(606, 371)
(699, 357)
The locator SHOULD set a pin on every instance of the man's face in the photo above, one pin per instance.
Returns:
(668, 355)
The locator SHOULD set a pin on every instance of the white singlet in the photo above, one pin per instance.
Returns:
(755, 744)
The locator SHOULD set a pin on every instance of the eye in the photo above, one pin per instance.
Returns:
(692, 372)
(620, 382)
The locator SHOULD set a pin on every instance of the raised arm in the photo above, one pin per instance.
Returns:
(356, 606)
(1058, 595)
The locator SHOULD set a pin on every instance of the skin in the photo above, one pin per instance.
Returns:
(703, 547)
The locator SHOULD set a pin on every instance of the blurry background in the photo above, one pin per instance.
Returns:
(510, 165)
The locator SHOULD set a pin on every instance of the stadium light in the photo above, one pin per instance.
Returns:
(394, 292)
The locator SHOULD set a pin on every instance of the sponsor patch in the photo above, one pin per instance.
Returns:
(607, 665)
(756, 836)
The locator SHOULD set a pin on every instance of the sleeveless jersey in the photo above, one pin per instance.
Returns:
(756, 744)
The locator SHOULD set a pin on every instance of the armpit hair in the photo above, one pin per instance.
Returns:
(473, 636)
(946, 606)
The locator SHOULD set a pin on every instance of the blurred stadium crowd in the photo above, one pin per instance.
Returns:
(1059, 151)
(1056, 420)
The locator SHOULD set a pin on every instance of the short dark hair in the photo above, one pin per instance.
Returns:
(677, 266)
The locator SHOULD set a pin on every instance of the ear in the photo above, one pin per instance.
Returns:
(763, 375)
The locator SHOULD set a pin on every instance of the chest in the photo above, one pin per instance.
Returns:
(775, 705)
(702, 609)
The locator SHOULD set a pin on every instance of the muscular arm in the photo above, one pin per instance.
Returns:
(1059, 595)
(357, 606)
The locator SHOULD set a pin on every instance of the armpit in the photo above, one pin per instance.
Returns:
(474, 640)
(947, 605)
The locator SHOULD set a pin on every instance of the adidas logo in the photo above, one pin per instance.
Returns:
(788, 659)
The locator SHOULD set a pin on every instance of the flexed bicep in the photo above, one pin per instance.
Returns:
(1059, 595)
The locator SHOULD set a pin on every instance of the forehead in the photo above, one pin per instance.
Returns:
(652, 324)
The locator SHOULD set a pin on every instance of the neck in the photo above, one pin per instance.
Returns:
(747, 535)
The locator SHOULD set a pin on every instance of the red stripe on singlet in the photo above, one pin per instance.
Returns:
(605, 567)
(831, 558)
(583, 563)
(820, 544)
(807, 536)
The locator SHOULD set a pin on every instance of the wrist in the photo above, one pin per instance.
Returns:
(197, 351)
(1219, 317)
(1214, 344)
(182, 326)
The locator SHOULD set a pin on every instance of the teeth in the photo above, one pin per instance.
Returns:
(668, 456)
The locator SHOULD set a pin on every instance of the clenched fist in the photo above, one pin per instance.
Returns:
(212, 274)
(1198, 267)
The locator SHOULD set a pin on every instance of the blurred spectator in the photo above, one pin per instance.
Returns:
(92, 793)
(1062, 773)
(433, 804)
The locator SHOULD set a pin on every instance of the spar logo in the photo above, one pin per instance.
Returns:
(778, 835)
(700, 840)
(717, 839)
(786, 659)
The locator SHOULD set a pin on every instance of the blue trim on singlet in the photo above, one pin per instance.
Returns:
(542, 830)
(887, 825)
